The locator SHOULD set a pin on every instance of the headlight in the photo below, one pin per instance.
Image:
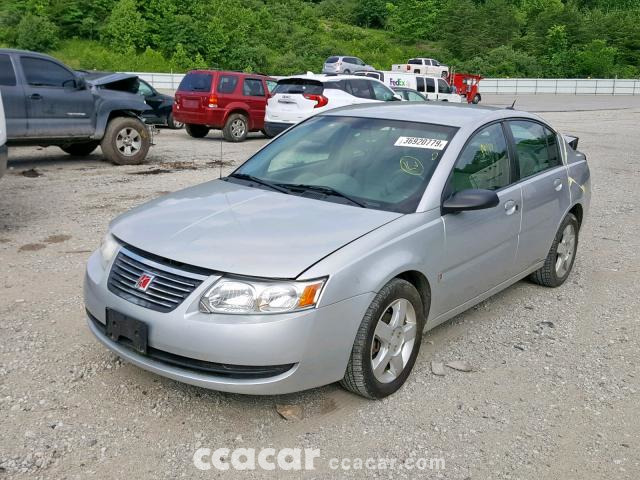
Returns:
(108, 249)
(229, 295)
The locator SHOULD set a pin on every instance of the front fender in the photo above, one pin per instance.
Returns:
(121, 107)
(413, 242)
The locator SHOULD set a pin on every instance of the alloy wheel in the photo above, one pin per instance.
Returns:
(128, 141)
(393, 340)
(565, 250)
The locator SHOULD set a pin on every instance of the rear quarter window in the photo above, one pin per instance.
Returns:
(331, 60)
(196, 82)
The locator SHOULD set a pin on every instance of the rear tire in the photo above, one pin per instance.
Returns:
(387, 343)
(266, 133)
(197, 131)
(236, 128)
(476, 99)
(126, 141)
(173, 124)
(80, 149)
(559, 262)
(346, 72)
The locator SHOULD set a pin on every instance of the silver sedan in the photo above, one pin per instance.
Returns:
(328, 253)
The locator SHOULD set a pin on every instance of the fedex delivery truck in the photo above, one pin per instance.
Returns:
(434, 88)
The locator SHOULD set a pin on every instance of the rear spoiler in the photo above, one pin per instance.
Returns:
(573, 141)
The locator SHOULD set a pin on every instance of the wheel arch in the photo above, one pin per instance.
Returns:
(578, 211)
(241, 109)
(421, 283)
(105, 117)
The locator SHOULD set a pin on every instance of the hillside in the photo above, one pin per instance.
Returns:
(545, 38)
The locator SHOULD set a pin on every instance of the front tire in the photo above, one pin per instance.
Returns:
(266, 133)
(476, 99)
(126, 141)
(236, 128)
(559, 262)
(387, 343)
(197, 131)
(80, 149)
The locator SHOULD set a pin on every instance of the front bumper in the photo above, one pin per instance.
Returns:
(315, 345)
(4, 155)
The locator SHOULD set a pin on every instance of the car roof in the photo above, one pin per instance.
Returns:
(440, 113)
(326, 78)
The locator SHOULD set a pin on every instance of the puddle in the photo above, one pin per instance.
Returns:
(57, 238)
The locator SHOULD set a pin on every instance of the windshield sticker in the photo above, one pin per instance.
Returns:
(411, 165)
(418, 142)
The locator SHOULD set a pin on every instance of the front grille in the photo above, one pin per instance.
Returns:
(202, 366)
(165, 292)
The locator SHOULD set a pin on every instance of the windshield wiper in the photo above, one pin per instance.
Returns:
(259, 181)
(323, 189)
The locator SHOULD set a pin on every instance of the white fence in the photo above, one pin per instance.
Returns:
(499, 86)
(560, 86)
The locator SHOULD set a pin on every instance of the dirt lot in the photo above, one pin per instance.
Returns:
(554, 391)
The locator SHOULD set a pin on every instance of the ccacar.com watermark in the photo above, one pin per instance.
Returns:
(302, 459)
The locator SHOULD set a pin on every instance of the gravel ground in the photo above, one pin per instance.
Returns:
(553, 393)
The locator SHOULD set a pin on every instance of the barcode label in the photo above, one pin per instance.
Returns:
(417, 142)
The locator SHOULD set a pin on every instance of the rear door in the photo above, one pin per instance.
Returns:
(255, 96)
(55, 107)
(545, 188)
(481, 246)
(430, 88)
(15, 105)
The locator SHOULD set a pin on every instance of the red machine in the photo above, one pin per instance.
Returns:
(467, 85)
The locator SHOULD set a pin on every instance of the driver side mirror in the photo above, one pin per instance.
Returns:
(471, 199)
(77, 83)
(396, 97)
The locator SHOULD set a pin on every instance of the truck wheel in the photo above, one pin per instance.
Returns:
(80, 149)
(197, 131)
(126, 141)
(476, 99)
(236, 128)
(173, 124)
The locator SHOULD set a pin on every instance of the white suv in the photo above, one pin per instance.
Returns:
(297, 98)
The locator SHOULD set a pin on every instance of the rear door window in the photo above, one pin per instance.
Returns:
(532, 148)
(431, 86)
(196, 82)
(420, 84)
(227, 83)
(360, 89)
(41, 72)
(299, 85)
(7, 75)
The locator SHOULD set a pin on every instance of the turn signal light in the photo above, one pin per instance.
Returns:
(320, 100)
(309, 295)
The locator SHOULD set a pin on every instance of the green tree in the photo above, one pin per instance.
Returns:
(125, 28)
(596, 59)
(413, 20)
(36, 33)
(371, 13)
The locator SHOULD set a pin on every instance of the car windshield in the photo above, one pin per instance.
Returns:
(374, 163)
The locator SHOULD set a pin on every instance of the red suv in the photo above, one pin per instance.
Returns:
(232, 101)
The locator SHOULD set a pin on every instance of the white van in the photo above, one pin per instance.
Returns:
(3, 140)
(434, 88)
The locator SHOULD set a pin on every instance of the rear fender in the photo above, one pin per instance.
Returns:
(238, 107)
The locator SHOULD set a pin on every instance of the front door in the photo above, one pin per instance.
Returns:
(545, 188)
(55, 107)
(480, 246)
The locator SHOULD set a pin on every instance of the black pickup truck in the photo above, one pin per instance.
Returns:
(47, 103)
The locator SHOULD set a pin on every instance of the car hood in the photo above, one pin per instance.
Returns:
(112, 78)
(233, 228)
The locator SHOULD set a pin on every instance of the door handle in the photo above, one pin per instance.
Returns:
(36, 96)
(510, 207)
(557, 184)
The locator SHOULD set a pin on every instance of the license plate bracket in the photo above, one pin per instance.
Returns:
(127, 330)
